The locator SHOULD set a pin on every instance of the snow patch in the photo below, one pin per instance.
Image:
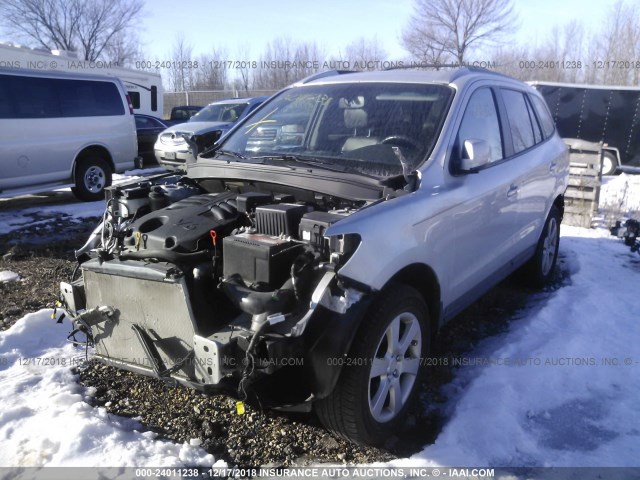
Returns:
(7, 276)
(579, 405)
(44, 420)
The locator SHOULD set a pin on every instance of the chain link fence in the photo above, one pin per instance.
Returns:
(202, 98)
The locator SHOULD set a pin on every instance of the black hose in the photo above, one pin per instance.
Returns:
(169, 256)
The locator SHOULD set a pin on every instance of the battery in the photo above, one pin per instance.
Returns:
(259, 258)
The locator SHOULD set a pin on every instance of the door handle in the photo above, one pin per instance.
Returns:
(552, 166)
(513, 190)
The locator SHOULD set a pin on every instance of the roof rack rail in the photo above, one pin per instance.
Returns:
(328, 73)
(462, 68)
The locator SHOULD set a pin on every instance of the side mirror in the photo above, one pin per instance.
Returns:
(475, 154)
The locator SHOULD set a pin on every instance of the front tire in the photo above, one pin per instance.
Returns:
(92, 176)
(541, 267)
(382, 374)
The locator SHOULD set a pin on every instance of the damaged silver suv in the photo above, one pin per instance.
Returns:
(309, 257)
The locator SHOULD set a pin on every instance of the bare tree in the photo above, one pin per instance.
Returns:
(123, 49)
(180, 77)
(243, 78)
(284, 62)
(445, 30)
(211, 74)
(618, 46)
(365, 54)
(89, 27)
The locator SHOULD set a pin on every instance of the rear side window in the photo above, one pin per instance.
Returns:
(35, 97)
(546, 122)
(81, 98)
(537, 133)
(519, 120)
(6, 103)
(480, 121)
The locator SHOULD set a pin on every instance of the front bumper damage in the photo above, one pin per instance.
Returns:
(140, 318)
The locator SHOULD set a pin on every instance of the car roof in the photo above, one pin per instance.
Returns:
(239, 100)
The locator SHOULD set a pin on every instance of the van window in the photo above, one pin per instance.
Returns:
(135, 99)
(6, 105)
(36, 97)
(81, 98)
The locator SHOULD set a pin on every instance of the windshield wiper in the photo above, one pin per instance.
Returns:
(315, 162)
(231, 153)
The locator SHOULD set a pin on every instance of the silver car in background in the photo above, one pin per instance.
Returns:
(309, 259)
(172, 149)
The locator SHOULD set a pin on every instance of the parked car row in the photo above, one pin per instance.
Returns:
(173, 145)
(78, 129)
(179, 144)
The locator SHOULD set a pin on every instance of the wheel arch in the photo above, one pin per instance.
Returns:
(89, 150)
(425, 281)
(559, 204)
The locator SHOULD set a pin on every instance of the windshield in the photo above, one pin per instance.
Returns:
(220, 112)
(368, 128)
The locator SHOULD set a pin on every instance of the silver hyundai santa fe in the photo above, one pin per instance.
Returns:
(308, 259)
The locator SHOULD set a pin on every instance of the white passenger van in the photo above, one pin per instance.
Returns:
(63, 128)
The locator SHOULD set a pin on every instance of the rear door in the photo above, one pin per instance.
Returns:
(535, 162)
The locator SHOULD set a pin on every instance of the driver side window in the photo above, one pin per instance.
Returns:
(480, 121)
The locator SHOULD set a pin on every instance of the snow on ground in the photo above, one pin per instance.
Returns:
(7, 276)
(26, 217)
(563, 406)
(620, 193)
(45, 420)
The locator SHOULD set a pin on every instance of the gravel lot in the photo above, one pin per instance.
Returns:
(43, 256)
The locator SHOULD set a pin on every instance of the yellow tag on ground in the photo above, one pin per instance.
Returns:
(240, 408)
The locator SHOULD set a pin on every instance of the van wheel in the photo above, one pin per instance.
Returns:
(609, 163)
(93, 174)
(540, 268)
(382, 374)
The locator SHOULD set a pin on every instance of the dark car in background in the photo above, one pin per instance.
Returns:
(148, 128)
(182, 113)
(203, 129)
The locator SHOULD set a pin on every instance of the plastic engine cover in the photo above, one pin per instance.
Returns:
(181, 226)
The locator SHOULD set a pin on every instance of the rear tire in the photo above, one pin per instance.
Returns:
(383, 371)
(541, 267)
(92, 176)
